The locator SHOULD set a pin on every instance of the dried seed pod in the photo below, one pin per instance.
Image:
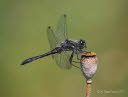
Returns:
(89, 67)
(89, 64)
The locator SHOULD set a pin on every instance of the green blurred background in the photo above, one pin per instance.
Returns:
(102, 23)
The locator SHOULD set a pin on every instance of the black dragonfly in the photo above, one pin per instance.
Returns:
(62, 48)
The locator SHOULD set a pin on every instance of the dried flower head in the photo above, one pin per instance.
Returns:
(89, 64)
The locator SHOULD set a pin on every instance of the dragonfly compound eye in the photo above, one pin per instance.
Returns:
(82, 42)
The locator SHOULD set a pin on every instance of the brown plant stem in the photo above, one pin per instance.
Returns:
(88, 88)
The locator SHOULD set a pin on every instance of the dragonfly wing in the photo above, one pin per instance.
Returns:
(55, 39)
(62, 59)
(52, 38)
(61, 30)
(60, 35)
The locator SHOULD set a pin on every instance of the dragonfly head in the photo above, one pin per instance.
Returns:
(82, 44)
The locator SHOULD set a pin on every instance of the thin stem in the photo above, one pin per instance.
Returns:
(88, 88)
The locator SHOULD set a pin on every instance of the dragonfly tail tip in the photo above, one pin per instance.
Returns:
(22, 63)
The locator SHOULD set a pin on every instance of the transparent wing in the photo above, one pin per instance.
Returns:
(61, 30)
(60, 35)
(52, 38)
(62, 59)
(55, 39)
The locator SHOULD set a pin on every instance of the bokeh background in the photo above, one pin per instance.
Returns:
(102, 23)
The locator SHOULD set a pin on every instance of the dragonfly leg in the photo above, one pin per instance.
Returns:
(76, 66)
(71, 57)
(78, 57)
(75, 62)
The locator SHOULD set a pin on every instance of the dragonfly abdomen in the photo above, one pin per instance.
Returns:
(38, 57)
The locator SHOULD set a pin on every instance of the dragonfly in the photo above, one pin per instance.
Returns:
(62, 49)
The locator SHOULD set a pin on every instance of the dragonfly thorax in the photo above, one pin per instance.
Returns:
(73, 45)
